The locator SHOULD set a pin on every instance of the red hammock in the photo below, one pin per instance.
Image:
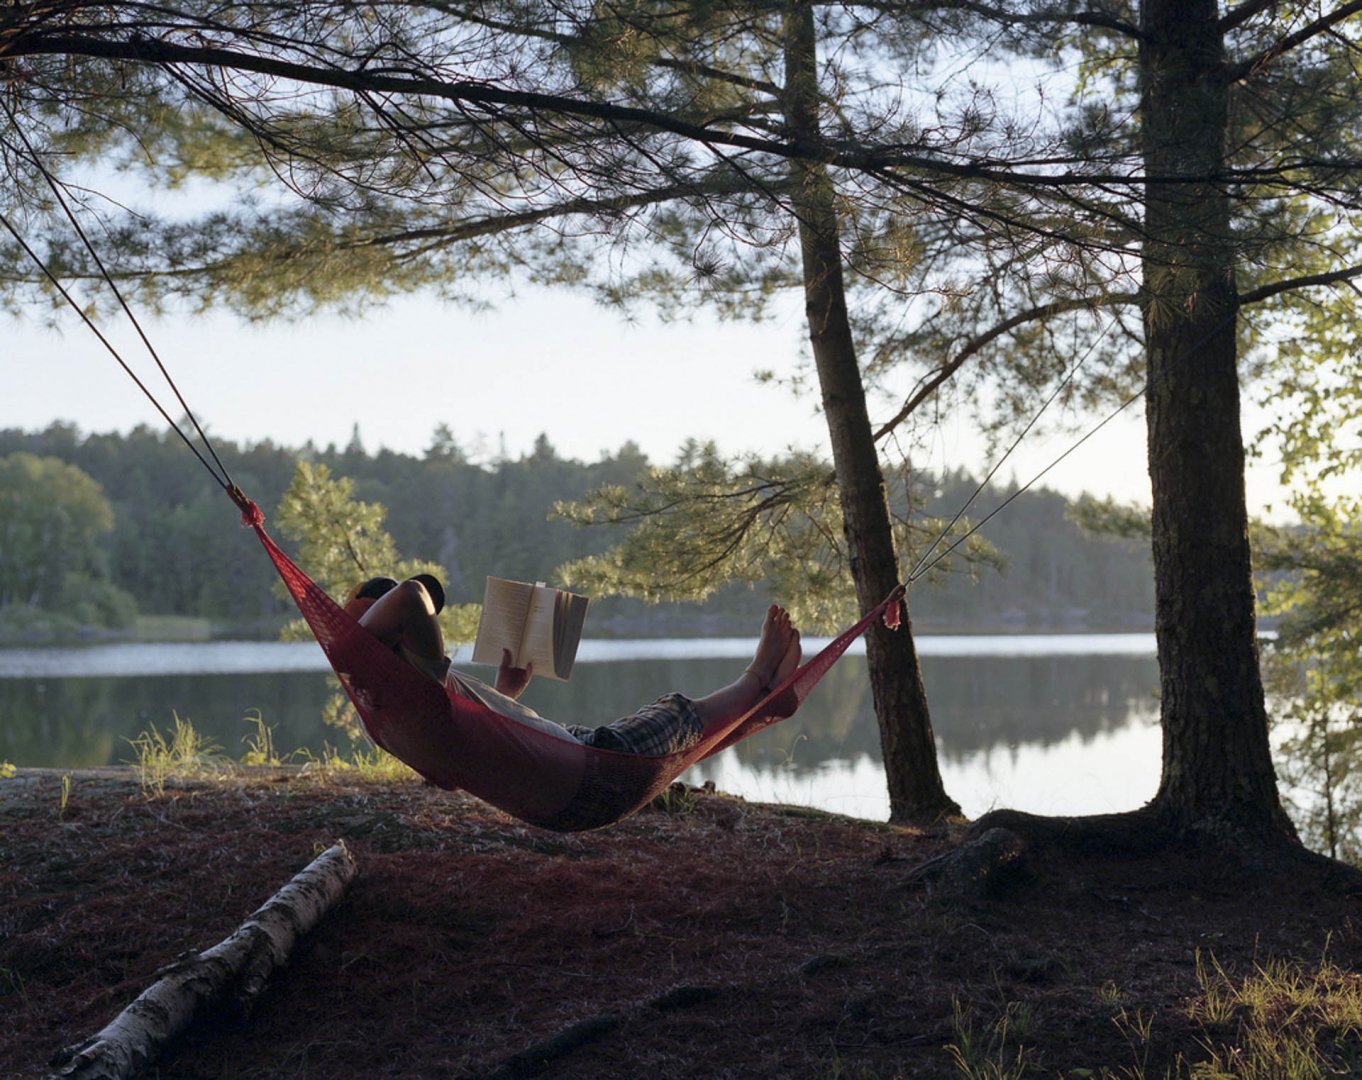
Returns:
(455, 742)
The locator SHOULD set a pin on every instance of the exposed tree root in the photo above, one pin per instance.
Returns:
(985, 866)
(540, 1056)
(1260, 846)
(1139, 832)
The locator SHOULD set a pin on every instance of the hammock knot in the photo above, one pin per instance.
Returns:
(893, 610)
(251, 514)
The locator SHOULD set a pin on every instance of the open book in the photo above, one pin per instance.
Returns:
(538, 624)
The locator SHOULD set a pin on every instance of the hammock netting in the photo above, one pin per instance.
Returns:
(457, 743)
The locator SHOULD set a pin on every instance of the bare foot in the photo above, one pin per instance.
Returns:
(778, 654)
(777, 637)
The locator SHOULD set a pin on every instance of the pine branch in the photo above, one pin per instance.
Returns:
(486, 104)
(1246, 68)
(1275, 288)
(928, 386)
(492, 100)
(1232, 20)
(1047, 17)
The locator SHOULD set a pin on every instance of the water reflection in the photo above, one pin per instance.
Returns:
(977, 702)
(84, 722)
(1053, 733)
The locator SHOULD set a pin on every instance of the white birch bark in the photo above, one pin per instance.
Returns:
(235, 970)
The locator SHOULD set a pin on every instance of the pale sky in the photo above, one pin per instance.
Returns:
(540, 362)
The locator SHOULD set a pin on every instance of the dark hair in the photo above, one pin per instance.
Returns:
(434, 588)
(375, 587)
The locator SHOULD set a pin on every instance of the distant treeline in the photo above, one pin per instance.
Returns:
(175, 546)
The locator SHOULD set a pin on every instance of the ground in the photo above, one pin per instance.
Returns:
(709, 938)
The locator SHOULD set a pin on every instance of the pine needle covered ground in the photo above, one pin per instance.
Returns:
(710, 938)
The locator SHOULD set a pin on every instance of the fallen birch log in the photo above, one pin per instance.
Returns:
(235, 970)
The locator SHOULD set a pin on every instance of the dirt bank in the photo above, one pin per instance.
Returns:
(718, 939)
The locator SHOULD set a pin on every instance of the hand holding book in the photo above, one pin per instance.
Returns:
(512, 680)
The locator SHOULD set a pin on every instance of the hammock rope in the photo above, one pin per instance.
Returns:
(923, 565)
(216, 468)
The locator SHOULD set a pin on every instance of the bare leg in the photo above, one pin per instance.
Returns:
(778, 653)
(404, 618)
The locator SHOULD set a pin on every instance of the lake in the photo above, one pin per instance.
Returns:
(1055, 724)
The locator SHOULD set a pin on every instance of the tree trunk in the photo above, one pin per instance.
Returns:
(236, 968)
(916, 792)
(1217, 767)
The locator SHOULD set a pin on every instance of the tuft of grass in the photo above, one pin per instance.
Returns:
(675, 799)
(1137, 1028)
(15, 981)
(379, 766)
(260, 749)
(680, 798)
(1112, 996)
(982, 1052)
(374, 765)
(184, 753)
(1285, 1021)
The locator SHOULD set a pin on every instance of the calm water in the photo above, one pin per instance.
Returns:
(1053, 724)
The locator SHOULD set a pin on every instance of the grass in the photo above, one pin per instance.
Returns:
(677, 799)
(22, 625)
(14, 980)
(375, 765)
(183, 753)
(1284, 1021)
(170, 628)
(981, 1050)
(260, 748)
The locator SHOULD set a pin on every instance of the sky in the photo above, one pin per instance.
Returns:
(541, 362)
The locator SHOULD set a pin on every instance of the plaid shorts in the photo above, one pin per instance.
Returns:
(669, 724)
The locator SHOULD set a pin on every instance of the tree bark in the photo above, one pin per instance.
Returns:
(236, 968)
(1217, 766)
(916, 792)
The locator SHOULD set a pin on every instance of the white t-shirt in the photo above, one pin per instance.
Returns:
(476, 690)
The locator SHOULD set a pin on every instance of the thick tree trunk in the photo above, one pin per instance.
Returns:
(916, 792)
(237, 967)
(1217, 767)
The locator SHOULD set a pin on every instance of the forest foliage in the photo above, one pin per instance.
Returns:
(173, 546)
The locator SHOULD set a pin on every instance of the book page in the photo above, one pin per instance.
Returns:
(502, 625)
(553, 631)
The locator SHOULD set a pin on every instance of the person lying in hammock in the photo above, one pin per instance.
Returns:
(403, 616)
